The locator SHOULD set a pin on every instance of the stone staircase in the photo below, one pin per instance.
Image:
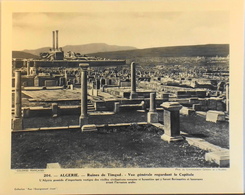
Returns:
(90, 107)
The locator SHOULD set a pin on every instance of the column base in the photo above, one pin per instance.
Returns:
(133, 95)
(171, 139)
(17, 124)
(83, 121)
(152, 117)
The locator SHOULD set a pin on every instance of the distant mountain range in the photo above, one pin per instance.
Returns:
(128, 52)
(21, 54)
(84, 49)
(210, 50)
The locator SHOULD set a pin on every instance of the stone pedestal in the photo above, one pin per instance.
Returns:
(171, 121)
(152, 117)
(17, 124)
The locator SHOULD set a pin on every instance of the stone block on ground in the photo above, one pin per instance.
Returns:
(215, 116)
(17, 124)
(222, 158)
(89, 128)
(187, 111)
(53, 166)
(197, 107)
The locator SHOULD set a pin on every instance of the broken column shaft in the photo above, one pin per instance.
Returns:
(152, 115)
(152, 102)
(133, 81)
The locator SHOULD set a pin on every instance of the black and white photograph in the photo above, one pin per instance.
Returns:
(109, 87)
(115, 90)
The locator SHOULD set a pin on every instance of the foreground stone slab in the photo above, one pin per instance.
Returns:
(202, 144)
(215, 116)
(53, 166)
(222, 158)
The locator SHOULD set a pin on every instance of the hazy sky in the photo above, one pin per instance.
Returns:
(138, 29)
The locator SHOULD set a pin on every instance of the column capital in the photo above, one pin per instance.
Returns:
(84, 66)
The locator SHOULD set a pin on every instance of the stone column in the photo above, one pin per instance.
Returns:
(152, 115)
(102, 82)
(65, 76)
(53, 40)
(17, 121)
(35, 64)
(116, 107)
(83, 120)
(133, 93)
(28, 67)
(57, 40)
(55, 108)
(152, 102)
(97, 83)
(171, 121)
(227, 97)
(14, 63)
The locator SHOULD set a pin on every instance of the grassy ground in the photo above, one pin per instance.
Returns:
(197, 126)
(133, 146)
